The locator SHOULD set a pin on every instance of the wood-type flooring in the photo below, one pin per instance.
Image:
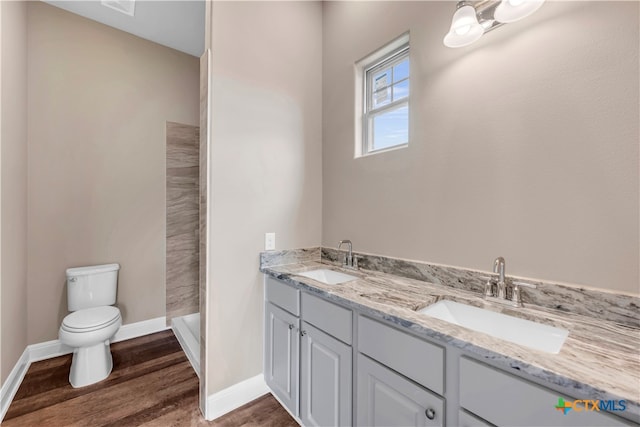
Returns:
(152, 384)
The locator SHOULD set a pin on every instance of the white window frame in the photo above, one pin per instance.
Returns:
(387, 56)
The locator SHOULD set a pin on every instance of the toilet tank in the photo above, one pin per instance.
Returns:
(92, 286)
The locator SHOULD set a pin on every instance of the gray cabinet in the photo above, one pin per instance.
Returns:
(467, 420)
(281, 355)
(416, 359)
(504, 399)
(399, 378)
(386, 398)
(282, 295)
(327, 316)
(325, 379)
(307, 364)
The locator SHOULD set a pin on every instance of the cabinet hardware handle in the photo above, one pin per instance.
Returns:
(303, 333)
(430, 413)
(290, 326)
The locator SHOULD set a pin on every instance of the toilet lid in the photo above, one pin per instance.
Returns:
(91, 318)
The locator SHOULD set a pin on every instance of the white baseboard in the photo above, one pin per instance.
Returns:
(12, 383)
(54, 348)
(233, 397)
(139, 329)
(47, 350)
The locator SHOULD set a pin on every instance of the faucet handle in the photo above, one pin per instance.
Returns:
(516, 293)
(488, 286)
(516, 283)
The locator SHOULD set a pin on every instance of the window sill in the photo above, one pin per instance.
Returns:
(384, 150)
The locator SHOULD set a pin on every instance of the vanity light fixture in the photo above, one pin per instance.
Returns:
(514, 10)
(465, 28)
(473, 18)
(128, 7)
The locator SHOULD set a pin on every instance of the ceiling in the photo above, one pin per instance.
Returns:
(177, 24)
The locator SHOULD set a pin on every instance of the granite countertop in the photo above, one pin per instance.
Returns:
(599, 359)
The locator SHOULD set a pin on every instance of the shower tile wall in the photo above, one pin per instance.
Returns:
(183, 240)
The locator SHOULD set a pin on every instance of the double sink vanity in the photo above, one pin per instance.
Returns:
(513, 329)
(429, 346)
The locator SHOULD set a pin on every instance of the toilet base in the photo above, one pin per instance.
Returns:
(90, 364)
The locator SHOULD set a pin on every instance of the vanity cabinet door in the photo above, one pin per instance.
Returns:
(325, 379)
(281, 355)
(386, 398)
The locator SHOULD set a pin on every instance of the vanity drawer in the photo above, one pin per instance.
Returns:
(283, 295)
(467, 420)
(414, 358)
(504, 399)
(327, 316)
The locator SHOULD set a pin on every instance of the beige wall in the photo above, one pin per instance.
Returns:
(265, 163)
(99, 100)
(13, 178)
(523, 145)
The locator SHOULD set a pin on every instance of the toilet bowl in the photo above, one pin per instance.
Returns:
(89, 331)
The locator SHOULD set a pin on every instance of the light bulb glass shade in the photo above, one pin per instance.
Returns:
(465, 28)
(514, 10)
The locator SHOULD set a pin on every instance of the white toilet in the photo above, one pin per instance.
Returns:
(91, 291)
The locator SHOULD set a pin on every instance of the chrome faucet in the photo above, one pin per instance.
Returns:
(499, 293)
(349, 260)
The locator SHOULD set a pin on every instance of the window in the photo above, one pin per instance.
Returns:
(384, 77)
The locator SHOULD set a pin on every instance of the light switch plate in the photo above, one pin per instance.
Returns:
(269, 241)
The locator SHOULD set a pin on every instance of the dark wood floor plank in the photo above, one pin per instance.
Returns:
(177, 401)
(152, 384)
(53, 373)
(264, 411)
(46, 396)
(44, 376)
(117, 401)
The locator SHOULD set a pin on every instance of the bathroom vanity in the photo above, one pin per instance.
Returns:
(360, 353)
(308, 354)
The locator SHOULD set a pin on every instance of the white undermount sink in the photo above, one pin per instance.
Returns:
(328, 277)
(518, 331)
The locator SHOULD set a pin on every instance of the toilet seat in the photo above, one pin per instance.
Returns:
(91, 319)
